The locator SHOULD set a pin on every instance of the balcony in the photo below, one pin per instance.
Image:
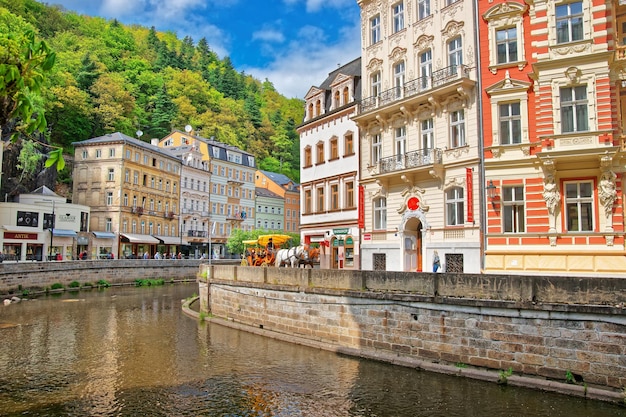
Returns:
(437, 80)
(410, 160)
(197, 233)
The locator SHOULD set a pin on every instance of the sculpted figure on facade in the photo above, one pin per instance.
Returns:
(551, 193)
(607, 192)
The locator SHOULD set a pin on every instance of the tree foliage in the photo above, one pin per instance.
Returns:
(111, 77)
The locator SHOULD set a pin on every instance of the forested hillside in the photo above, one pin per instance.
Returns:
(111, 77)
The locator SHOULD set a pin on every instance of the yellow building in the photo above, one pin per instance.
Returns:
(133, 190)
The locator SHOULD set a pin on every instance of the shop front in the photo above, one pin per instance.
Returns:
(22, 244)
(62, 244)
(103, 245)
(134, 246)
(169, 245)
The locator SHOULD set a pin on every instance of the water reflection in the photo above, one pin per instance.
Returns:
(130, 351)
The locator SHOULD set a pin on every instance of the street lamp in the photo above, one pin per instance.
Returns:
(51, 228)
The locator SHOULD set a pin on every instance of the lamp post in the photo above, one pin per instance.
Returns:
(51, 228)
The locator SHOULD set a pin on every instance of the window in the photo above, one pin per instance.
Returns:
(457, 129)
(423, 9)
(127, 176)
(513, 209)
(569, 22)
(348, 145)
(109, 198)
(377, 148)
(334, 148)
(125, 200)
(108, 224)
(510, 124)
(506, 45)
(428, 138)
(337, 99)
(455, 53)
(334, 197)
(398, 77)
(318, 107)
(346, 95)
(320, 199)
(454, 206)
(579, 206)
(398, 17)
(426, 68)
(400, 143)
(380, 213)
(111, 174)
(574, 109)
(320, 153)
(307, 201)
(375, 29)
(85, 154)
(98, 153)
(111, 152)
(349, 194)
(376, 84)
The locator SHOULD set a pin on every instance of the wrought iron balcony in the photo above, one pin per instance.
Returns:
(414, 159)
(412, 88)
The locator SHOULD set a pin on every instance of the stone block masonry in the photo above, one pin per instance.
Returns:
(502, 324)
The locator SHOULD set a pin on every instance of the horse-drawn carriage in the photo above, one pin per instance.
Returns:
(297, 256)
(262, 251)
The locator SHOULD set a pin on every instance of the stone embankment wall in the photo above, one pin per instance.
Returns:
(15, 277)
(536, 326)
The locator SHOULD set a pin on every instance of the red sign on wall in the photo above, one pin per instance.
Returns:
(21, 236)
(361, 207)
(469, 178)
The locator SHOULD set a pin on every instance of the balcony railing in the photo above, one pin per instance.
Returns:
(414, 159)
(414, 87)
(197, 233)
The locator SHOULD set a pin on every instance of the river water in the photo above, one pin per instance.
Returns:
(129, 351)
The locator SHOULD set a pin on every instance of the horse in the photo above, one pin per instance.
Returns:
(313, 255)
(292, 256)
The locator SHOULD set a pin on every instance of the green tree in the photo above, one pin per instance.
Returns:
(163, 115)
(24, 61)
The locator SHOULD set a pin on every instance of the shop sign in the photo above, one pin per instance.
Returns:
(367, 236)
(349, 241)
(21, 236)
(342, 231)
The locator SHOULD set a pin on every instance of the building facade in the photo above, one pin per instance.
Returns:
(194, 203)
(231, 187)
(329, 141)
(132, 188)
(289, 191)
(419, 136)
(270, 211)
(42, 225)
(553, 73)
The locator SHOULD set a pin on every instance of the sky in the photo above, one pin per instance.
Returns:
(292, 43)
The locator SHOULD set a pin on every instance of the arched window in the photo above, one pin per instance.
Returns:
(337, 99)
(318, 108)
(346, 97)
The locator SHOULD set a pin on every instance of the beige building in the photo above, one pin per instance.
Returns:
(231, 187)
(420, 147)
(133, 190)
(288, 191)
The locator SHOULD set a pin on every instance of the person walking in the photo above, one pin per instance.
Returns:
(436, 262)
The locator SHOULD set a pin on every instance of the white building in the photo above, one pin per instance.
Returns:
(41, 225)
(330, 168)
(419, 135)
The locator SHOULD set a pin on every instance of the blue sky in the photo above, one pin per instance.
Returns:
(293, 43)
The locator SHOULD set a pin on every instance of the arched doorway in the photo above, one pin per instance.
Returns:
(412, 228)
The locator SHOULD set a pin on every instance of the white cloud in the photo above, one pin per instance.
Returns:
(269, 35)
(306, 63)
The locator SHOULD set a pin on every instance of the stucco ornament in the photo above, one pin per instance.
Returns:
(607, 191)
(551, 193)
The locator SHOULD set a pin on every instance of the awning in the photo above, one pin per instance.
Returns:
(63, 233)
(168, 240)
(132, 238)
(21, 229)
(104, 235)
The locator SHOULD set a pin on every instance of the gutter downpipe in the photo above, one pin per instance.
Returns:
(481, 147)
